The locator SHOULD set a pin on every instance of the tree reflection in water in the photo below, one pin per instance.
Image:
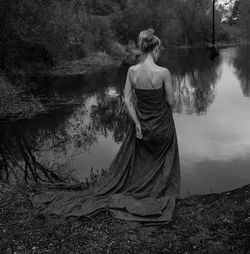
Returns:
(41, 152)
(18, 160)
(241, 63)
(109, 115)
(194, 77)
(43, 149)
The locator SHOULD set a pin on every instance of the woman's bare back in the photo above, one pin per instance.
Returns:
(147, 77)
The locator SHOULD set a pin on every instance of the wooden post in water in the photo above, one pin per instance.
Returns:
(213, 40)
(213, 52)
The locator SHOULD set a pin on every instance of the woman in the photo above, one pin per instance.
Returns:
(144, 178)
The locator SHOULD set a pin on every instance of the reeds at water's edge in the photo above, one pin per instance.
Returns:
(16, 102)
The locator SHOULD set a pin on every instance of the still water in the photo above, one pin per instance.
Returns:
(86, 122)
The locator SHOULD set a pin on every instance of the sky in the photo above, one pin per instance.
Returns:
(226, 3)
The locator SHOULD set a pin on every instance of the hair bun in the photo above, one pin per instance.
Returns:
(151, 31)
(149, 34)
(147, 40)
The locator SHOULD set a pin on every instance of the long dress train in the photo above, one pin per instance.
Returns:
(143, 180)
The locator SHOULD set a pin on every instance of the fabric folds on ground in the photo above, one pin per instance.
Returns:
(143, 180)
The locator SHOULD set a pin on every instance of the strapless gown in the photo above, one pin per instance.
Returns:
(143, 180)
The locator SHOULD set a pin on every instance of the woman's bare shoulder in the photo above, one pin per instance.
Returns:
(163, 71)
(131, 69)
(134, 67)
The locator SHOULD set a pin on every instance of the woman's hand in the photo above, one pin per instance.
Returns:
(138, 131)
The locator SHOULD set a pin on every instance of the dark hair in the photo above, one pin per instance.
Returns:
(147, 41)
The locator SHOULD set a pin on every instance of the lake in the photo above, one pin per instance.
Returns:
(86, 122)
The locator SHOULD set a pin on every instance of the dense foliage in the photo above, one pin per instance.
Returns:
(65, 29)
(45, 32)
(244, 11)
(177, 22)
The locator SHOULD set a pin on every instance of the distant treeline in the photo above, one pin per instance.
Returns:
(46, 32)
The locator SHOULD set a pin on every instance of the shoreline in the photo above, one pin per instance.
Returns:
(98, 61)
(208, 223)
(87, 65)
(17, 102)
(218, 45)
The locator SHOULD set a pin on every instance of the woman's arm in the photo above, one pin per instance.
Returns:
(129, 104)
(168, 87)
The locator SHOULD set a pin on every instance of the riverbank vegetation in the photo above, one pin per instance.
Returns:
(209, 224)
(72, 37)
(38, 35)
(68, 37)
(17, 102)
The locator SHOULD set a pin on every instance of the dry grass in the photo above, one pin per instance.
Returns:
(16, 102)
(89, 64)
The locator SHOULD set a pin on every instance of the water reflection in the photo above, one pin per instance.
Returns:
(19, 162)
(194, 77)
(109, 115)
(88, 121)
(50, 143)
(241, 63)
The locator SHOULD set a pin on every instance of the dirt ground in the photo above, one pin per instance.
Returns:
(213, 223)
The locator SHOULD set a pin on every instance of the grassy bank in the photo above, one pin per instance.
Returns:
(16, 102)
(122, 55)
(213, 223)
(91, 63)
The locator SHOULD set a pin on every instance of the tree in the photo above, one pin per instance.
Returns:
(245, 18)
(139, 15)
(236, 10)
(195, 20)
